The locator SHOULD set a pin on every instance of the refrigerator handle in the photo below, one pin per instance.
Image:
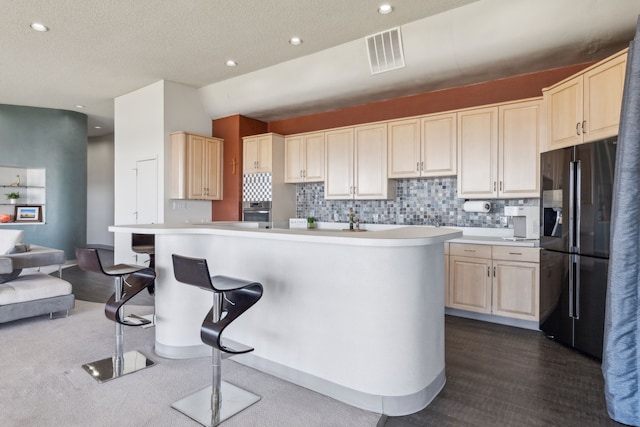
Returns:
(572, 271)
(572, 190)
(576, 278)
(578, 190)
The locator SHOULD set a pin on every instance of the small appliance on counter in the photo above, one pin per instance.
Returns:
(526, 221)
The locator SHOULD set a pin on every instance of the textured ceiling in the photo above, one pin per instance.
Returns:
(100, 49)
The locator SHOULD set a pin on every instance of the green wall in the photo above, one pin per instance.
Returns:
(57, 141)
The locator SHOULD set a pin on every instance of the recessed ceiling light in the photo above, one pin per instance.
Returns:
(295, 41)
(79, 106)
(97, 127)
(39, 27)
(385, 9)
(231, 63)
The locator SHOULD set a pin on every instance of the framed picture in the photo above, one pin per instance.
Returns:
(28, 214)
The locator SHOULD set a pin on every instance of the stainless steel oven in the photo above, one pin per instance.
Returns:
(257, 212)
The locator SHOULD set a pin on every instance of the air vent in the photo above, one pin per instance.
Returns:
(385, 51)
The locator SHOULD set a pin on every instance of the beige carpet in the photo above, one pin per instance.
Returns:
(43, 383)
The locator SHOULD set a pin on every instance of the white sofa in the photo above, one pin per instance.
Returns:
(27, 294)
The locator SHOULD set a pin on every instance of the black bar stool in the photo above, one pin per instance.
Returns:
(145, 244)
(231, 297)
(135, 279)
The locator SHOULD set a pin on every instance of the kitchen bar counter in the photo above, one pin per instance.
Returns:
(358, 316)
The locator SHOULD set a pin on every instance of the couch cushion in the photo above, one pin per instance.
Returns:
(31, 287)
(9, 239)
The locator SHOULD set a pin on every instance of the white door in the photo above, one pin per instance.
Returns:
(147, 191)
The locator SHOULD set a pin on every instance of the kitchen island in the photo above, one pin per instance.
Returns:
(358, 316)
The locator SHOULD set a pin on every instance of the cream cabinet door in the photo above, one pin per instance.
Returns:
(603, 88)
(439, 145)
(213, 169)
(256, 154)
(519, 149)
(516, 290)
(404, 154)
(294, 156)
(264, 153)
(339, 149)
(314, 157)
(564, 113)
(470, 284)
(477, 153)
(196, 158)
(370, 174)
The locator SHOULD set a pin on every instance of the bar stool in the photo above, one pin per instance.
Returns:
(145, 244)
(135, 279)
(231, 297)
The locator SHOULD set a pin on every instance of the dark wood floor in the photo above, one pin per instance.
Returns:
(503, 376)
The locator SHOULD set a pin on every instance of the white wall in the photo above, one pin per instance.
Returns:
(144, 120)
(100, 190)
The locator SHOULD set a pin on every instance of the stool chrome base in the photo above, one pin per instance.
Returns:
(107, 369)
(197, 406)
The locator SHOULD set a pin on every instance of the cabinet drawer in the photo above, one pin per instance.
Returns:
(468, 250)
(516, 253)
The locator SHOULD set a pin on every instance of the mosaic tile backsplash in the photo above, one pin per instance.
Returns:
(256, 187)
(418, 202)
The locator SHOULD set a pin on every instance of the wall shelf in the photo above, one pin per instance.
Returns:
(31, 186)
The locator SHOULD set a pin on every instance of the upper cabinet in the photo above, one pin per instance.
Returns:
(257, 151)
(304, 158)
(586, 107)
(520, 134)
(478, 153)
(356, 163)
(422, 147)
(498, 151)
(196, 167)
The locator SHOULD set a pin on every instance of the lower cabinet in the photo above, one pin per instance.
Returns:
(498, 280)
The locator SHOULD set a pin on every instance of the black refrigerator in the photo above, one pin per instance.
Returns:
(575, 210)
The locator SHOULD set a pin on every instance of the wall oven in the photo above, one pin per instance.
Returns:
(257, 212)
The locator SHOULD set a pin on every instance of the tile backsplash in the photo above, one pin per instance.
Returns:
(256, 187)
(418, 202)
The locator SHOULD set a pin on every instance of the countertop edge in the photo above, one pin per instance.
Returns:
(400, 236)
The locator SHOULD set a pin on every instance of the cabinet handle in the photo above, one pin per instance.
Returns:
(417, 166)
(494, 186)
(300, 174)
(515, 253)
(488, 271)
(584, 123)
(500, 185)
(494, 271)
(422, 166)
(304, 173)
(469, 250)
(578, 128)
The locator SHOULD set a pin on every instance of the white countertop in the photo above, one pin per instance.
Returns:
(372, 235)
(330, 232)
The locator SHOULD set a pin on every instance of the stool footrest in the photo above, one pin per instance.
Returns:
(231, 346)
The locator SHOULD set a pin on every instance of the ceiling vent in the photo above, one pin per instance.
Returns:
(385, 51)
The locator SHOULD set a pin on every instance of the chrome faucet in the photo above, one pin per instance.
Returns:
(435, 220)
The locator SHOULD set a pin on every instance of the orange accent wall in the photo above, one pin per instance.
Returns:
(232, 129)
(503, 90)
